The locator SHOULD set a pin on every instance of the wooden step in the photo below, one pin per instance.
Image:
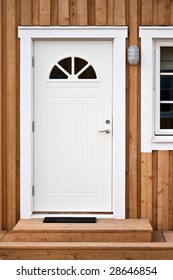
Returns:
(85, 251)
(104, 230)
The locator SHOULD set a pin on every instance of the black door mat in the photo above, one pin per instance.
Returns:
(69, 220)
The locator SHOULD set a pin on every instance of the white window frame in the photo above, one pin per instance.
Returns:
(27, 36)
(150, 35)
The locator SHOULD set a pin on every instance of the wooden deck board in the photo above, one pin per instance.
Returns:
(99, 251)
(108, 225)
(168, 235)
(76, 237)
(86, 245)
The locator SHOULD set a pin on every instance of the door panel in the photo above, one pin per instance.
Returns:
(72, 159)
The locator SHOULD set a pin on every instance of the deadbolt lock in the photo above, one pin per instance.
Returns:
(107, 121)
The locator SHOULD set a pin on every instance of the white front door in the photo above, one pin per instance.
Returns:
(72, 126)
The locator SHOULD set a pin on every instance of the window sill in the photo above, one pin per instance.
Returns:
(162, 139)
(162, 143)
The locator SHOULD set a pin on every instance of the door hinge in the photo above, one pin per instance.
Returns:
(33, 126)
(33, 61)
(33, 190)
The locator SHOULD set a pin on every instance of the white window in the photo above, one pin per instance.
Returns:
(72, 68)
(156, 88)
(164, 88)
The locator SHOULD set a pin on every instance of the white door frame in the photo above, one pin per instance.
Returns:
(27, 35)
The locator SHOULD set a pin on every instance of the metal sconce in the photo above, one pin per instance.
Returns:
(133, 55)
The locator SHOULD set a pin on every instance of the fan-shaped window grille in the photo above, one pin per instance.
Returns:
(72, 68)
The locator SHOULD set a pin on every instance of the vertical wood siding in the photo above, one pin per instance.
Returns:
(133, 115)
(11, 112)
(157, 188)
(149, 177)
(0, 115)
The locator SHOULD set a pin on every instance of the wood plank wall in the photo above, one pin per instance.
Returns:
(0, 115)
(149, 177)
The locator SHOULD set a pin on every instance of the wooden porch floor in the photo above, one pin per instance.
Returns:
(107, 239)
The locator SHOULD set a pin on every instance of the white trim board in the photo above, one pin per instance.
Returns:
(118, 36)
(149, 35)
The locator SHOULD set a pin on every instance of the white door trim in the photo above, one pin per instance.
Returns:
(27, 36)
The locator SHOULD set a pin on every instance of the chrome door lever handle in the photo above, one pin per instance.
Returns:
(106, 131)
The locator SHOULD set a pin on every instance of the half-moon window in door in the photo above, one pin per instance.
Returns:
(72, 68)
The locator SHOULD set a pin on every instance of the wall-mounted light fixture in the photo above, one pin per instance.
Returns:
(133, 55)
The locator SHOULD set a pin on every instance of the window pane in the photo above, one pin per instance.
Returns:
(166, 88)
(89, 73)
(64, 69)
(166, 116)
(79, 64)
(66, 64)
(166, 63)
(56, 73)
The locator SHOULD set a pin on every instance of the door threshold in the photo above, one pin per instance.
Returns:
(99, 216)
